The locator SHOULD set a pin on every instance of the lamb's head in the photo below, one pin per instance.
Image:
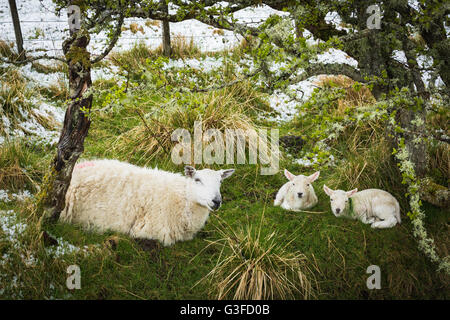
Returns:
(300, 188)
(206, 185)
(339, 199)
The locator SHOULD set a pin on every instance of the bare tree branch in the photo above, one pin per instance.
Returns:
(113, 42)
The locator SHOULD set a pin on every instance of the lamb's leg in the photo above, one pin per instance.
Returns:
(367, 221)
(388, 223)
(280, 196)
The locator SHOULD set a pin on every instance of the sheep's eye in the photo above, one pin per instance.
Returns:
(197, 180)
(331, 199)
(308, 185)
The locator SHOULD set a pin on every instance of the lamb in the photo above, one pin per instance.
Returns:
(142, 202)
(298, 193)
(374, 206)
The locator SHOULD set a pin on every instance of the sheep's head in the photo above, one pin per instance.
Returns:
(339, 199)
(207, 185)
(300, 189)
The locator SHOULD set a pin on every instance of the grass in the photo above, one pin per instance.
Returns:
(238, 254)
(22, 165)
(17, 99)
(230, 108)
(258, 265)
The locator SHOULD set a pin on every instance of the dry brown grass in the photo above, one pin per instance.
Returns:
(229, 108)
(219, 32)
(353, 98)
(256, 266)
(134, 28)
(13, 175)
(14, 96)
(6, 49)
(153, 23)
(184, 47)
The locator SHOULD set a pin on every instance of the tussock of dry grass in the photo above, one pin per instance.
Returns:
(14, 97)
(6, 49)
(13, 175)
(154, 23)
(229, 108)
(182, 47)
(353, 98)
(256, 266)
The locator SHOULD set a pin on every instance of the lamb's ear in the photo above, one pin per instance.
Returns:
(226, 173)
(189, 171)
(314, 176)
(351, 192)
(327, 190)
(288, 175)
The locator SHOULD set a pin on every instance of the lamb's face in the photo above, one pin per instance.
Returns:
(207, 185)
(339, 199)
(300, 187)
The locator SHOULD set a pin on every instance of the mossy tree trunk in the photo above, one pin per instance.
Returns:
(75, 128)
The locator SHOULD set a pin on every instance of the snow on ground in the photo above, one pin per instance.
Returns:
(42, 29)
(31, 128)
(285, 105)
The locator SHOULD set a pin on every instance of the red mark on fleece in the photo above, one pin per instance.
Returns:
(84, 165)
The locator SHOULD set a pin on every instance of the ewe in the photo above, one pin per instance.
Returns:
(374, 206)
(142, 202)
(298, 193)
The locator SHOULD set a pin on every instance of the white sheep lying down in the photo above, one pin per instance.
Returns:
(142, 202)
(298, 193)
(374, 206)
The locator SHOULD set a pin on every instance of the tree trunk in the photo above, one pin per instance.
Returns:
(167, 49)
(76, 126)
(417, 149)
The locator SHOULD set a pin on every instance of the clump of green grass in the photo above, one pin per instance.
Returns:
(256, 264)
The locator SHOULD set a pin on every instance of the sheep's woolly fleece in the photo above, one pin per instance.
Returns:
(142, 202)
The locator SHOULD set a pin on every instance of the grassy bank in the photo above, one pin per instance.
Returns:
(332, 254)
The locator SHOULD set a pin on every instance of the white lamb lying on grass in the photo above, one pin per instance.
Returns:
(374, 206)
(142, 202)
(298, 193)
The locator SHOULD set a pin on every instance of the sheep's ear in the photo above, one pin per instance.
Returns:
(327, 190)
(189, 171)
(314, 176)
(226, 173)
(288, 175)
(351, 192)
